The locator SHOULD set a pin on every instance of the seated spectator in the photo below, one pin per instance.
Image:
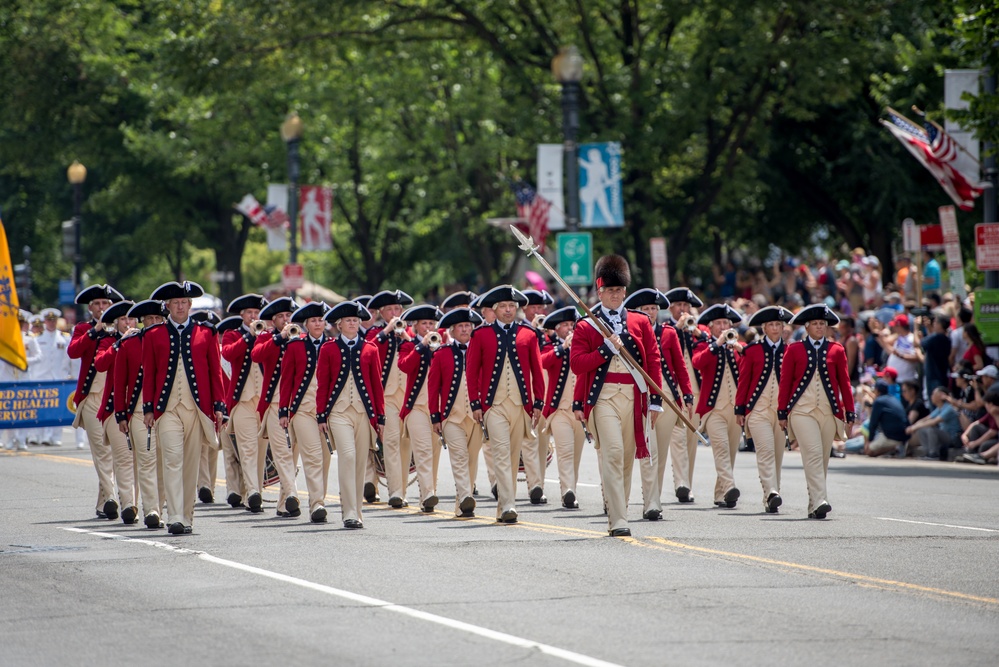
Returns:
(981, 438)
(938, 431)
(886, 430)
(912, 401)
(890, 377)
(972, 403)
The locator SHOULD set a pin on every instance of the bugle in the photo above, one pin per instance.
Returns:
(690, 324)
(399, 327)
(539, 321)
(730, 337)
(257, 327)
(294, 331)
(433, 340)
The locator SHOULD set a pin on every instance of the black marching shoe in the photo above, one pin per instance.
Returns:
(110, 510)
(177, 528)
(235, 500)
(292, 508)
(772, 503)
(255, 503)
(352, 524)
(731, 497)
(509, 516)
(370, 493)
(820, 511)
(653, 515)
(205, 495)
(319, 515)
(538, 496)
(495, 493)
(620, 532)
(429, 504)
(153, 520)
(128, 515)
(569, 501)
(467, 507)
(101, 515)
(397, 502)
(475, 490)
(683, 495)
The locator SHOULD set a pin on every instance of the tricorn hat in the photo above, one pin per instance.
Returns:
(612, 271)
(719, 311)
(147, 307)
(770, 314)
(313, 309)
(646, 296)
(348, 309)
(175, 290)
(389, 298)
(538, 297)
(284, 304)
(229, 324)
(567, 314)
(683, 295)
(241, 303)
(95, 292)
(363, 299)
(458, 299)
(816, 312)
(459, 315)
(501, 293)
(422, 312)
(206, 316)
(118, 309)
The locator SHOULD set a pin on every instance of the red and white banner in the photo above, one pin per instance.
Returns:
(987, 246)
(660, 266)
(315, 213)
(952, 242)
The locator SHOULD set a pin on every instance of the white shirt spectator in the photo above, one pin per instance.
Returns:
(907, 370)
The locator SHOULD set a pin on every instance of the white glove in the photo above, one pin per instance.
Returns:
(610, 346)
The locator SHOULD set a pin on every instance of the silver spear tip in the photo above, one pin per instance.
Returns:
(526, 242)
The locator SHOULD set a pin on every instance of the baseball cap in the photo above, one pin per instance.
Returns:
(990, 371)
(900, 321)
(888, 372)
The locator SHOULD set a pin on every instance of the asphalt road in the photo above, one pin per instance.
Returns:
(902, 573)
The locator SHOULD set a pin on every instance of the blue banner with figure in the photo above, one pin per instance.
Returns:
(601, 203)
(32, 404)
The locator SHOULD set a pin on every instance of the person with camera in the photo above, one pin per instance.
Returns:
(973, 403)
(981, 439)
(938, 431)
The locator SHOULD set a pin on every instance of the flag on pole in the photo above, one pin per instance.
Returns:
(251, 208)
(533, 209)
(11, 340)
(937, 151)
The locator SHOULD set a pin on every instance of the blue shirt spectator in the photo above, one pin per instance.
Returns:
(888, 416)
(936, 359)
(931, 274)
(949, 421)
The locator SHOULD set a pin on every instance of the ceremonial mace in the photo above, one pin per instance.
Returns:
(527, 245)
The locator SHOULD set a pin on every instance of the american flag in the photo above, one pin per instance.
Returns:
(937, 151)
(533, 208)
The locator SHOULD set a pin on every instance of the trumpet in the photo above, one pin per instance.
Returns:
(257, 327)
(399, 327)
(433, 340)
(730, 337)
(690, 324)
(539, 321)
(294, 331)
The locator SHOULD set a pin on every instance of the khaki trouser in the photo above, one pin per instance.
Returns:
(535, 455)
(208, 468)
(100, 451)
(653, 469)
(283, 455)
(508, 427)
(426, 451)
(567, 431)
(315, 456)
(233, 468)
(245, 424)
(724, 433)
(122, 461)
(395, 448)
(612, 423)
(352, 436)
(463, 438)
(683, 451)
(768, 438)
(180, 436)
(814, 431)
(149, 465)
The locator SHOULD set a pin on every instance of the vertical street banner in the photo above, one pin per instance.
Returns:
(11, 342)
(601, 203)
(277, 216)
(315, 213)
(952, 248)
(551, 158)
(660, 264)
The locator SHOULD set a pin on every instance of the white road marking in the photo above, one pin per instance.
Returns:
(944, 525)
(569, 656)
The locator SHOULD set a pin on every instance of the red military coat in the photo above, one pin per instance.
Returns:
(759, 361)
(708, 359)
(236, 347)
(127, 377)
(162, 350)
(801, 362)
(414, 361)
(485, 364)
(443, 381)
(83, 346)
(298, 368)
(104, 363)
(388, 345)
(268, 351)
(675, 375)
(334, 375)
(555, 361)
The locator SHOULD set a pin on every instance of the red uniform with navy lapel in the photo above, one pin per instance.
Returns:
(104, 363)
(162, 367)
(83, 346)
(267, 351)
(800, 364)
(483, 362)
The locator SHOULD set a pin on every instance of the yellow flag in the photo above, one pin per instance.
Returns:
(11, 340)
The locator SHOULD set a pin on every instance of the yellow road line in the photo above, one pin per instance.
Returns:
(53, 457)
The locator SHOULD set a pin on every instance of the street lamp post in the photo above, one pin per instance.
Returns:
(291, 133)
(77, 174)
(567, 67)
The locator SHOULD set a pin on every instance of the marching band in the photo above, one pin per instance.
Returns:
(386, 385)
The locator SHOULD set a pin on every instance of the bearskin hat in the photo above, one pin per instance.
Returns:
(612, 271)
